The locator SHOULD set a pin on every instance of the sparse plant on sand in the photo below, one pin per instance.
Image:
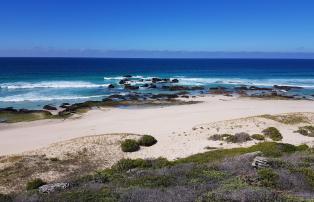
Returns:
(306, 131)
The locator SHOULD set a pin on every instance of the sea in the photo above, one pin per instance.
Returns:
(34, 82)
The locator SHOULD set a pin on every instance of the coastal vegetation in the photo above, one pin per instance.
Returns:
(147, 141)
(219, 175)
(130, 145)
(290, 119)
(272, 133)
(306, 131)
(258, 137)
(35, 184)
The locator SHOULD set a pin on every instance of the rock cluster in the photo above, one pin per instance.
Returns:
(49, 188)
(260, 162)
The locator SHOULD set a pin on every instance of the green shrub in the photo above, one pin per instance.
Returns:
(238, 138)
(302, 147)
(270, 149)
(34, 184)
(306, 131)
(147, 141)
(273, 133)
(127, 164)
(258, 137)
(308, 174)
(5, 198)
(129, 145)
(267, 177)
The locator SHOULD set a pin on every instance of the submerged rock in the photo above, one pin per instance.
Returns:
(127, 76)
(111, 86)
(129, 87)
(174, 81)
(123, 81)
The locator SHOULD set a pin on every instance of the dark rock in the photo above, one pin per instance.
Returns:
(197, 88)
(111, 86)
(8, 109)
(166, 96)
(49, 107)
(258, 88)
(64, 105)
(241, 88)
(123, 81)
(129, 87)
(155, 80)
(116, 96)
(152, 86)
(146, 85)
(174, 81)
(286, 88)
(184, 96)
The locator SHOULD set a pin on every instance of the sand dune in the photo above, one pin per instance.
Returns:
(161, 122)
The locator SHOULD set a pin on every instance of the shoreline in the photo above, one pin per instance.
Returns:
(176, 119)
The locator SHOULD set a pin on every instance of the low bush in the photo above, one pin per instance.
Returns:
(127, 164)
(147, 141)
(129, 145)
(269, 149)
(34, 184)
(238, 138)
(267, 177)
(258, 137)
(308, 174)
(273, 133)
(306, 131)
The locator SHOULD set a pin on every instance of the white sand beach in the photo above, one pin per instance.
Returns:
(173, 126)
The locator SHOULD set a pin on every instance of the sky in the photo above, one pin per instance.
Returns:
(156, 27)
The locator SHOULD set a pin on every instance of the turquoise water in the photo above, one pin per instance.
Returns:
(34, 82)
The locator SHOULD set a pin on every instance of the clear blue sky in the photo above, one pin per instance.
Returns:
(188, 25)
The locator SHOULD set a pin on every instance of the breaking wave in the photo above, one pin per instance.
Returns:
(51, 84)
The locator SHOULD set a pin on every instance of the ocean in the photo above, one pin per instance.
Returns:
(34, 82)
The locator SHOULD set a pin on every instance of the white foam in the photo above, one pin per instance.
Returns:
(38, 97)
(51, 84)
(305, 83)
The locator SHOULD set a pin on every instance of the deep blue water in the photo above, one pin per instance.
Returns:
(32, 82)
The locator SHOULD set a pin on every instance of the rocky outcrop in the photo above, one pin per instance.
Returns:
(50, 188)
(64, 105)
(49, 107)
(286, 88)
(260, 162)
